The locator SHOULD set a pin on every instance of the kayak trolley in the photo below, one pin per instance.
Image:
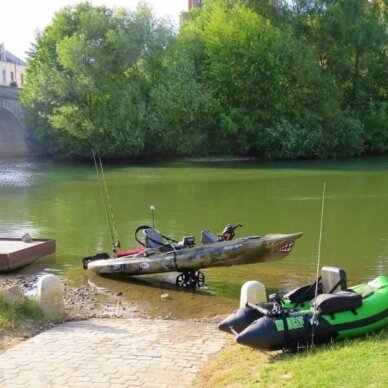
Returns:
(190, 280)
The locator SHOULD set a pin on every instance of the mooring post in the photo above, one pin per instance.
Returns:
(50, 297)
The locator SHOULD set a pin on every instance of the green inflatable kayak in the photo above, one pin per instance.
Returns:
(342, 313)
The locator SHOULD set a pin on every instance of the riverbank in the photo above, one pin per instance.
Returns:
(154, 352)
(361, 360)
(81, 303)
(87, 302)
(353, 363)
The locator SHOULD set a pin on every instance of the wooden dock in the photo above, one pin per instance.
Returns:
(16, 253)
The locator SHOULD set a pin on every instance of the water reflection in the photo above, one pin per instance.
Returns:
(52, 199)
(12, 178)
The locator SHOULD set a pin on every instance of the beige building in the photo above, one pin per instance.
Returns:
(12, 69)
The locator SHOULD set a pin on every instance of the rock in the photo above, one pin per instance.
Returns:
(27, 238)
(13, 295)
(165, 296)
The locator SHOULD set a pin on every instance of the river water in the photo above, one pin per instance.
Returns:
(61, 200)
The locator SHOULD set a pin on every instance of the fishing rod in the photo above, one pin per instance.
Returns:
(115, 241)
(152, 208)
(106, 200)
(314, 321)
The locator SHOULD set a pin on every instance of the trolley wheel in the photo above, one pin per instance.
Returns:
(187, 280)
(180, 281)
(200, 279)
(191, 280)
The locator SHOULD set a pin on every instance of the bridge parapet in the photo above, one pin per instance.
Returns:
(9, 100)
(9, 92)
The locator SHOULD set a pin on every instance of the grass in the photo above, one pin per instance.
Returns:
(353, 363)
(12, 318)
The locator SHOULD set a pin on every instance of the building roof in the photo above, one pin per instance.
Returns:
(7, 56)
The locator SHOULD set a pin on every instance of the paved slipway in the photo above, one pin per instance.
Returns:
(112, 353)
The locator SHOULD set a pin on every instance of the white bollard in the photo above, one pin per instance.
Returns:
(50, 297)
(252, 292)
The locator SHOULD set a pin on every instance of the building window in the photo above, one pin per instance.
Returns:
(4, 77)
(12, 76)
(22, 80)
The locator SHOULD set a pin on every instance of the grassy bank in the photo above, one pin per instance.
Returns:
(12, 318)
(354, 363)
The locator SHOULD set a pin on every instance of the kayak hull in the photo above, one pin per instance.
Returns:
(243, 251)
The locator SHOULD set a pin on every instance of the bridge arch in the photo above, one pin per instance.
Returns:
(15, 138)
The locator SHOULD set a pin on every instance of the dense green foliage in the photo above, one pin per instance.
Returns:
(272, 79)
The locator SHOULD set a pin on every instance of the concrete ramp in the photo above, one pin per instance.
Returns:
(112, 353)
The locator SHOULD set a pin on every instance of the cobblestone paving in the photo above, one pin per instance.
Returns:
(112, 353)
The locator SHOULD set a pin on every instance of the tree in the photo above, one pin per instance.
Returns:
(90, 76)
(274, 79)
(230, 46)
(352, 40)
(274, 98)
(182, 113)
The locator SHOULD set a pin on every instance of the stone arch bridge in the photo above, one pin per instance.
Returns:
(15, 138)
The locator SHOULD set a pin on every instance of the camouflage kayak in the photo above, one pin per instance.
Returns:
(246, 250)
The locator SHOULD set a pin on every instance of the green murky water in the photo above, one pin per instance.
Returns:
(60, 200)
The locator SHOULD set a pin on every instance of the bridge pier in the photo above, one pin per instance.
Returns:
(15, 138)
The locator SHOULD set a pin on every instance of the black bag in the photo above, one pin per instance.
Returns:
(334, 303)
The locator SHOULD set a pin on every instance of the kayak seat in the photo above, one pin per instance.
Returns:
(337, 302)
(333, 279)
(209, 237)
(153, 238)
